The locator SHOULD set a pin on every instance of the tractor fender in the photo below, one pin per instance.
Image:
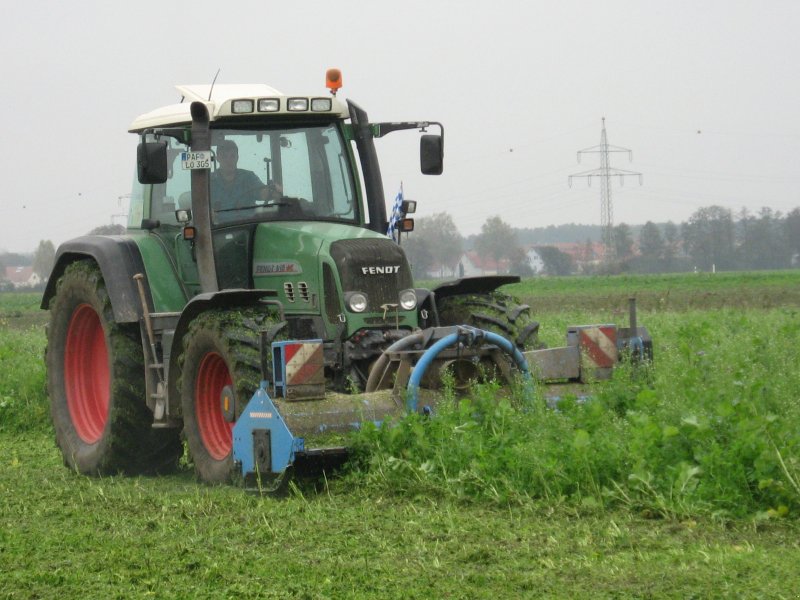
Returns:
(228, 299)
(473, 285)
(427, 299)
(119, 260)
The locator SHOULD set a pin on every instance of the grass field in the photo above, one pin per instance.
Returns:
(764, 289)
(683, 483)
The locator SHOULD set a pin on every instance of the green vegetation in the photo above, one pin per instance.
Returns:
(677, 292)
(23, 403)
(710, 430)
(678, 482)
(18, 305)
(679, 283)
(62, 535)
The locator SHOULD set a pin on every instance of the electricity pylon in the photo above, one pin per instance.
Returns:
(605, 172)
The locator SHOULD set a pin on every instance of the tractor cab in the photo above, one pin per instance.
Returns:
(215, 170)
(249, 189)
(266, 174)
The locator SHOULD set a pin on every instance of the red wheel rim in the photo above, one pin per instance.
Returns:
(216, 432)
(86, 374)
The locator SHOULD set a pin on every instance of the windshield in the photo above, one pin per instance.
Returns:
(298, 173)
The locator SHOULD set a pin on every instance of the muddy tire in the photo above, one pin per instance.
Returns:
(493, 311)
(221, 353)
(95, 380)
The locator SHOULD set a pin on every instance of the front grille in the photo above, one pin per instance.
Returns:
(392, 318)
(377, 267)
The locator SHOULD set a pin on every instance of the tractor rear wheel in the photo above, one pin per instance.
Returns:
(493, 311)
(95, 380)
(220, 371)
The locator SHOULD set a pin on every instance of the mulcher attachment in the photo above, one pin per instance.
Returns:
(267, 448)
(269, 437)
(266, 453)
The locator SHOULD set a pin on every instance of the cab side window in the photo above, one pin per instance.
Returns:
(295, 166)
(175, 193)
(136, 210)
(340, 182)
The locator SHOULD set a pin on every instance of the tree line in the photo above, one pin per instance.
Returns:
(43, 258)
(437, 248)
(713, 238)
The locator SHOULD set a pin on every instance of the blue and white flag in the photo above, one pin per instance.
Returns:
(397, 214)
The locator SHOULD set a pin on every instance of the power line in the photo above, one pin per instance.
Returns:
(605, 172)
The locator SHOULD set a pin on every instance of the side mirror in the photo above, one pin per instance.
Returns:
(431, 154)
(151, 162)
(409, 207)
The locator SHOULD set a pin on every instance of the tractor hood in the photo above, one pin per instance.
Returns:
(313, 266)
(293, 247)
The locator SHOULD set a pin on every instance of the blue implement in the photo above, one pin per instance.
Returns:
(262, 442)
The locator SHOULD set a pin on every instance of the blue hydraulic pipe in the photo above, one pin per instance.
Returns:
(422, 365)
(471, 334)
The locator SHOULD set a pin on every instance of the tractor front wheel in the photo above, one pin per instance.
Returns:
(220, 371)
(493, 311)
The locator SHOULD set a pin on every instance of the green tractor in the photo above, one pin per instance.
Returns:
(256, 300)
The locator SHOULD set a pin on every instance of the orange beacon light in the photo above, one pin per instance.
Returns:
(333, 80)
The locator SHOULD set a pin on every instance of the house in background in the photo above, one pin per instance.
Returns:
(22, 277)
(586, 255)
(535, 261)
(473, 264)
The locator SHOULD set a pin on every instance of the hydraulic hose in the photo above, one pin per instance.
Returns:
(379, 367)
(469, 335)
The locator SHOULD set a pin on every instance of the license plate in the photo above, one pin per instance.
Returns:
(196, 160)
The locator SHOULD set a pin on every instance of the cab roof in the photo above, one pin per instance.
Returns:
(220, 104)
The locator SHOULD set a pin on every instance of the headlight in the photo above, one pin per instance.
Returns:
(357, 302)
(408, 299)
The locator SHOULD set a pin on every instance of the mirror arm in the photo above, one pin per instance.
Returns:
(382, 129)
(182, 135)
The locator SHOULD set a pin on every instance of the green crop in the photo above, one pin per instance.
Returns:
(676, 482)
(23, 400)
(709, 428)
(678, 292)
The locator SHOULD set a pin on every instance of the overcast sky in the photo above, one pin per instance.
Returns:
(706, 94)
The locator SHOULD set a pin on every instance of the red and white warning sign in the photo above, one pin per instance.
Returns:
(304, 363)
(598, 344)
(299, 369)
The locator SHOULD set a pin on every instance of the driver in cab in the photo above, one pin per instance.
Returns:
(232, 187)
